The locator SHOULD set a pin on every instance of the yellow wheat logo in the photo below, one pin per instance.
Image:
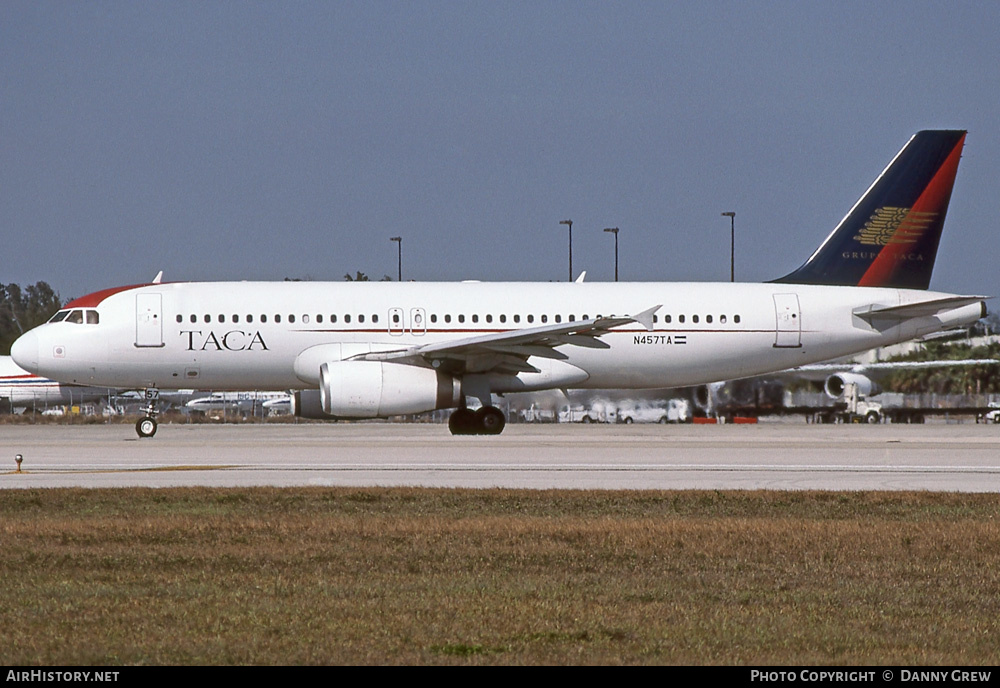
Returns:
(891, 225)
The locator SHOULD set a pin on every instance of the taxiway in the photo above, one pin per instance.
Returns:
(935, 457)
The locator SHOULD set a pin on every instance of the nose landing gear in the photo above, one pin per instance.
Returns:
(146, 426)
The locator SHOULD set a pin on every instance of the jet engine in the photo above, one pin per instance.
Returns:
(837, 383)
(375, 389)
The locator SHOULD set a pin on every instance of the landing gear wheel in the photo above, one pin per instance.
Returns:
(490, 420)
(872, 418)
(146, 427)
(462, 422)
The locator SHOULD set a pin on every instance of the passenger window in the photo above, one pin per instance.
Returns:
(305, 319)
(545, 318)
(461, 318)
(503, 317)
(680, 318)
(361, 318)
(736, 318)
(694, 318)
(347, 318)
(434, 317)
(277, 317)
(180, 318)
(319, 318)
(249, 318)
(475, 318)
(722, 319)
(236, 318)
(531, 318)
(375, 317)
(263, 318)
(222, 318)
(666, 318)
(708, 318)
(207, 318)
(517, 318)
(194, 318)
(447, 318)
(333, 318)
(489, 318)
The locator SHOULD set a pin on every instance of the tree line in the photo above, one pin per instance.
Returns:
(24, 308)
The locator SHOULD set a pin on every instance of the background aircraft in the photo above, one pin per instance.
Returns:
(20, 389)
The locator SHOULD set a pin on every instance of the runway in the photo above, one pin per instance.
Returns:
(780, 456)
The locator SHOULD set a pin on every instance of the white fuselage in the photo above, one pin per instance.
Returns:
(248, 335)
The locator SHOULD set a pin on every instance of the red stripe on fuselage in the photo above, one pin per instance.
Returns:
(95, 299)
(933, 198)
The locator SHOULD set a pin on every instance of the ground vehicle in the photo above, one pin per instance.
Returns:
(597, 412)
(673, 411)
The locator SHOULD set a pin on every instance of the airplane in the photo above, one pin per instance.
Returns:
(21, 389)
(353, 350)
(242, 402)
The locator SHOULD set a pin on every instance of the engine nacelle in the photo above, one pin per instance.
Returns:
(837, 383)
(374, 389)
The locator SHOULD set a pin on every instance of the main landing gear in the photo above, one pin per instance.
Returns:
(146, 426)
(489, 420)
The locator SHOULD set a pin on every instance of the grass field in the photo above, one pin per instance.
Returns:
(423, 576)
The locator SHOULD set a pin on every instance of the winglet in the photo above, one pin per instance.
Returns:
(582, 276)
(646, 317)
(159, 276)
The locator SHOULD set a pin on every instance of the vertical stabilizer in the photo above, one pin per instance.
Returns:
(890, 237)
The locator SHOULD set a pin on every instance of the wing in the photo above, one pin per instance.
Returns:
(508, 352)
(818, 371)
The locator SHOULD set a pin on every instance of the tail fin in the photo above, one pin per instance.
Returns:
(890, 237)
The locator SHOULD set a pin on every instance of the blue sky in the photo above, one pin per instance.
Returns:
(264, 140)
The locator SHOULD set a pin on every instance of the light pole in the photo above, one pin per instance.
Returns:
(614, 230)
(732, 244)
(399, 244)
(570, 224)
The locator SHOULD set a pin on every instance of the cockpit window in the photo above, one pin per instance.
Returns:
(77, 316)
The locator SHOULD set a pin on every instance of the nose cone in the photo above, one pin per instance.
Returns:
(24, 351)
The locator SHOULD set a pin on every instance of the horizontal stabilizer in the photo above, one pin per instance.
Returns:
(917, 310)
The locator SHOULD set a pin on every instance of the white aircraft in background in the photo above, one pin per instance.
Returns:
(380, 349)
(243, 402)
(21, 389)
(746, 393)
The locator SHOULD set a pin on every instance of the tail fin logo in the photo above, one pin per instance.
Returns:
(890, 237)
(890, 225)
